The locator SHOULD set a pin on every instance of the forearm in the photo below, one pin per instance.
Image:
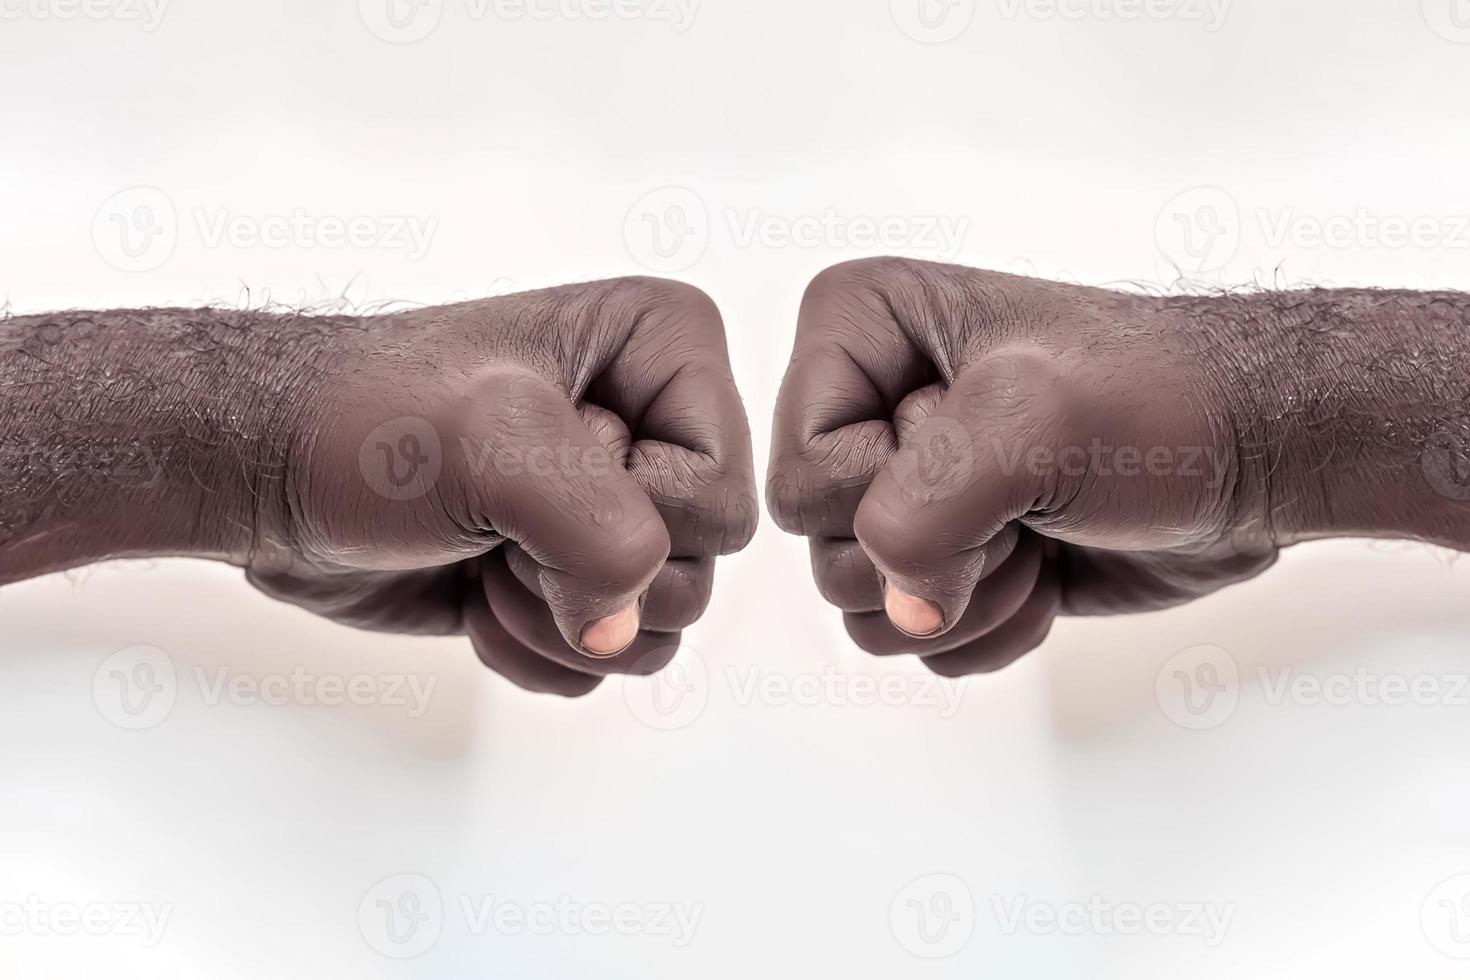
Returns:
(149, 432)
(1352, 408)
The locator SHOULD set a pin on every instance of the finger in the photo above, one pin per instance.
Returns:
(833, 429)
(529, 621)
(940, 515)
(678, 597)
(546, 481)
(845, 575)
(1009, 642)
(518, 664)
(999, 597)
(671, 381)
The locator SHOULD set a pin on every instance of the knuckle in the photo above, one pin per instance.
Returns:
(857, 274)
(669, 296)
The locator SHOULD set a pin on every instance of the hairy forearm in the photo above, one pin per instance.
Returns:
(148, 432)
(1352, 408)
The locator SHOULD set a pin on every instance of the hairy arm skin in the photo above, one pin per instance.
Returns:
(147, 433)
(1352, 409)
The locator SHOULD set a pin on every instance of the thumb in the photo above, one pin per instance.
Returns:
(547, 482)
(941, 514)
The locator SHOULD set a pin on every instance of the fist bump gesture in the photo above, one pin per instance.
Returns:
(554, 473)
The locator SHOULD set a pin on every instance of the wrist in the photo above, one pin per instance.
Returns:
(1348, 408)
(143, 433)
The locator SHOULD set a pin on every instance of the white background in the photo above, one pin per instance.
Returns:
(1093, 143)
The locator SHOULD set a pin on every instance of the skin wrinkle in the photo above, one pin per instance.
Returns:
(1317, 413)
(279, 437)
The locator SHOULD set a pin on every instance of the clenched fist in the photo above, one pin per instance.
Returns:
(551, 473)
(973, 454)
